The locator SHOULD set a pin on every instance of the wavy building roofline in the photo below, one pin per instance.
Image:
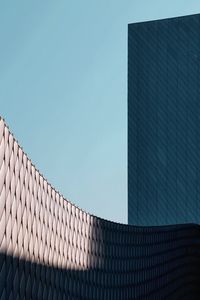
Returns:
(50, 248)
(72, 203)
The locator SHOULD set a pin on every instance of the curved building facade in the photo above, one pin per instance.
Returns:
(51, 249)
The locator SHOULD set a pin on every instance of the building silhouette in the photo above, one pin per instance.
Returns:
(51, 249)
(164, 121)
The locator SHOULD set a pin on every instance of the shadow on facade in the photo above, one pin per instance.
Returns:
(52, 250)
(135, 264)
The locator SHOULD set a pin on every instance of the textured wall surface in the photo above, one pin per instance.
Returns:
(164, 121)
(51, 249)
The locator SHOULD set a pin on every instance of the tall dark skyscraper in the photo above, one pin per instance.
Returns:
(51, 249)
(164, 121)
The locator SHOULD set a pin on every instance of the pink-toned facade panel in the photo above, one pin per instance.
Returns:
(51, 249)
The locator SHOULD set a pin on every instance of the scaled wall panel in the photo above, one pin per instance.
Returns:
(51, 249)
(164, 121)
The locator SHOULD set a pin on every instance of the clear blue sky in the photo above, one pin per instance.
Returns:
(63, 91)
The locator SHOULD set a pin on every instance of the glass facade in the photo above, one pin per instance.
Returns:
(164, 121)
